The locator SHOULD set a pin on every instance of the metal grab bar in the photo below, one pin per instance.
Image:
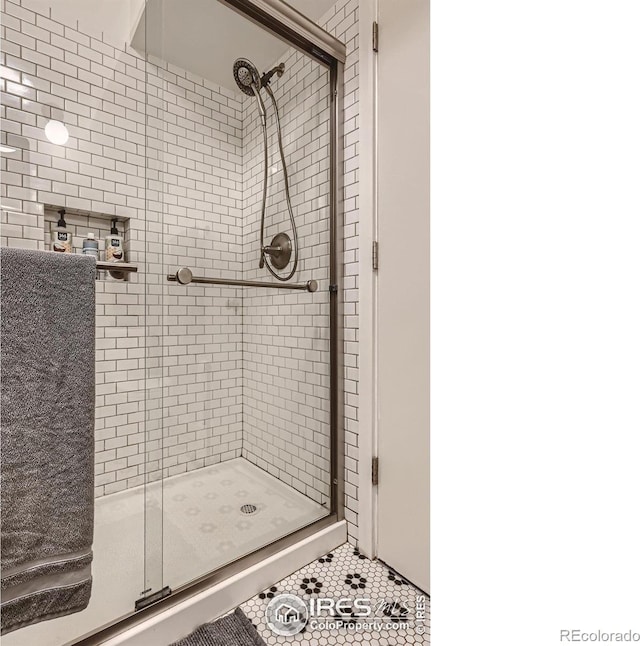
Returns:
(184, 277)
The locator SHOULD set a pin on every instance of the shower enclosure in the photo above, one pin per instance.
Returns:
(211, 131)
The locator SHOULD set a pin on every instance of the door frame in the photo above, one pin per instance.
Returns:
(367, 287)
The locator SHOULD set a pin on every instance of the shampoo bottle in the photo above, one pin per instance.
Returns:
(60, 235)
(90, 246)
(113, 245)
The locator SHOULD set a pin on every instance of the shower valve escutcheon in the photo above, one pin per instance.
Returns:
(279, 251)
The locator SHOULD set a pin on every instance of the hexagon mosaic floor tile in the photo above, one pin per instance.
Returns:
(400, 613)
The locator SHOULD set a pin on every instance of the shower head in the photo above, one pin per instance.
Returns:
(248, 80)
(246, 76)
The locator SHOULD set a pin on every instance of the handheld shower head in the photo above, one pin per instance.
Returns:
(248, 80)
(246, 75)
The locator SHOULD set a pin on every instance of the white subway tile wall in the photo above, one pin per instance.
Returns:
(194, 219)
(203, 374)
(286, 336)
(152, 144)
(342, 22)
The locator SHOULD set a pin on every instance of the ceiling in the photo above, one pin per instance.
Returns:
(206, 37)
(113, 18)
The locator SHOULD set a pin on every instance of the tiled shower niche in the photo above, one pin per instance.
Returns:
(79, 223)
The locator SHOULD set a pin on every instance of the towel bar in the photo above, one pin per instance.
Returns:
(184, 277)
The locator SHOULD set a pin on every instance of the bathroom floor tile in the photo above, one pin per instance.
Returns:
(402, 610)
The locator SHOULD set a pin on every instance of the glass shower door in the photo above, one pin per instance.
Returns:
(148, 38)
(238, 404)
(76, 118)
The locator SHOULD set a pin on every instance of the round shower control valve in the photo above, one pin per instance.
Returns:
(279, 251)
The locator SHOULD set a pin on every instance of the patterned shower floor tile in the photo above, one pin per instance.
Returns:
(203, 526)
(213, 516)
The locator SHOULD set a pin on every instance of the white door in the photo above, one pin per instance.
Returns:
(403, 288)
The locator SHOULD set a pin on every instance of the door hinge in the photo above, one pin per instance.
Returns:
(374, 471)
(374, 255)
(375, 36)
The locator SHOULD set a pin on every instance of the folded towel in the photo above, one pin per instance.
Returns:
(47, 418)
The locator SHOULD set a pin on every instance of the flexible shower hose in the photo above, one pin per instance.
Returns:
(263, 260)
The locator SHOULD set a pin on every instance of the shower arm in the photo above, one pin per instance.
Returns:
(266, 77)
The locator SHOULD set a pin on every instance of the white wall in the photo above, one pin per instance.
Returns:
(403, 288)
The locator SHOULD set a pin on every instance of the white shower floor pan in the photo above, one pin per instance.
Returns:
(194, 525)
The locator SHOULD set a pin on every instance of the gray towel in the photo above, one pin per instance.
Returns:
(233, 630)
(47, 417)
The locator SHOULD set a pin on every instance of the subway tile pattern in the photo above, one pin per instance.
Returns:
(286, 340)
(342, 22)
(194, 333)
(162, 149)
(193, 375)
(286, 335)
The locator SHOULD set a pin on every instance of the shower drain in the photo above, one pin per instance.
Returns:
(248, 509)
